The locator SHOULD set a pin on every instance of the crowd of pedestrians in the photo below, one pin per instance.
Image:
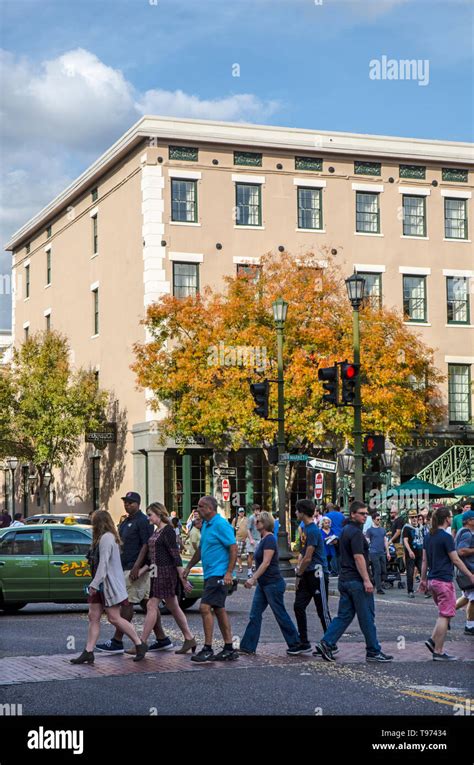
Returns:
(140, 563)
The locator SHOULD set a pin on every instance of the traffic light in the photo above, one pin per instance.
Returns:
(328, 376)
(349, 374)
(260, 393)
(374, 445)
(273, 454)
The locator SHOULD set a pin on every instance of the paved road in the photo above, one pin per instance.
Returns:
(269, 683)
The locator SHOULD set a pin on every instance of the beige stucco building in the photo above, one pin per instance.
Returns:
(176, 204)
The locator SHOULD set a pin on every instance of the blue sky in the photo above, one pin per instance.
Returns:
(76, 74)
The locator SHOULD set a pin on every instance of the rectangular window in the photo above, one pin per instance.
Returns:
(27, 333)
(367, 212)
(250, 270)
(48, 267)
(27, 281)
(310, 213)
(95, 298)
(94, 194)
(458, 299)
(184, 201)
(184, 153)
(414, 215)
(455, 218)
(95, 235)
(456, 174)
(185, 279)
(309, 163)
(459, 392)
(414, 298)
(49, 232)
(251, 158)
(48, 322)
(248, 204)
(413, 171)
(373, 289)
(367, 168)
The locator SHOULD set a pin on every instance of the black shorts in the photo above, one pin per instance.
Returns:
(214, 594)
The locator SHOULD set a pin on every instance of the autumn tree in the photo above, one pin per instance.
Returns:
(204, 350)
(45, 406)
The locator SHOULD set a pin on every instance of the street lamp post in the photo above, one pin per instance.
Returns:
(12, 463)
(47, 476)
(388, 458)
(355, 290)
(25, 471)
(280, 310)
(346, 463)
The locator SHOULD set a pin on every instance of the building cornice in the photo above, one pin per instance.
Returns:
(241, 134)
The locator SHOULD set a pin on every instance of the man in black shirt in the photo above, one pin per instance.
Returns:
(135, 531)
(356, 590)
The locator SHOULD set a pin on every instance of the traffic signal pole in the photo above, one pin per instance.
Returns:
(357, 429)
(283, 551)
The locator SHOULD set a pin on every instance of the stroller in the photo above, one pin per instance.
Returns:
(394, 570)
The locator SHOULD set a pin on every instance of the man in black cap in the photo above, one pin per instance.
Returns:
(135, 531)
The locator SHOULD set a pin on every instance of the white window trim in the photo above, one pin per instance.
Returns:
(454, 239)
(239, 260)
(250, 228)
(94, 212)
(186, 175)
(366, 233)
(94, 286)
(26, 325)
(460, 326)
(414, 271)
(187, 257)
(459, 359)
(374, 188)
(182, 223)
(409, 236)
(455, 194)
(454, 272)
(414, 191)
(27, 263)
(311, 230)
(418, 323)
(48, 248)
(312, 183)
(369, 268)
(241, 178)
(47, 312)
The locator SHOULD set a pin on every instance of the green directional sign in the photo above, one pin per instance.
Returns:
(295, 457)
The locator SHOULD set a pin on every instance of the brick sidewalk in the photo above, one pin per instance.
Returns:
(41, 669)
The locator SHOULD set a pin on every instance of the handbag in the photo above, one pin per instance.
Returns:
(463, 582)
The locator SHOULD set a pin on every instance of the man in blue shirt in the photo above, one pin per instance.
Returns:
(218, 554)
(312, 576)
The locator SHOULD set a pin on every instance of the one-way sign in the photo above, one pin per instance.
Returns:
(326, 465)
(220, 472)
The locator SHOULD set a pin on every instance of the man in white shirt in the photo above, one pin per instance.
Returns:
(17, 520)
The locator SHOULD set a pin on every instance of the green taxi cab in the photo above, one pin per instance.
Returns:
(47, 564)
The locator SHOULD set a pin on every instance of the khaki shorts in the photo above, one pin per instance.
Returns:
(137, 589)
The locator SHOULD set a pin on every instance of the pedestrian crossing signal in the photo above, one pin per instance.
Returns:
(374, 445)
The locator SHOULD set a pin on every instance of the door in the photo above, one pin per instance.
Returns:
(69, 570)
(24, 566)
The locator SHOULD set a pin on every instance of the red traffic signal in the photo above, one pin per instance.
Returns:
(349, 374)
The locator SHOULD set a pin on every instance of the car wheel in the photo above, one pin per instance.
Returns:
(12, 608)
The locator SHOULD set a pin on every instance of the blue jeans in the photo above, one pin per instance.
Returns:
(269, 595)
(354, 600)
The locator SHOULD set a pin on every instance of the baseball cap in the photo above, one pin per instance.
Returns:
(132, 496)
(467, 516)
(241, 509)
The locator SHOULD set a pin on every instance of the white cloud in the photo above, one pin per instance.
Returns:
(59, 116)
